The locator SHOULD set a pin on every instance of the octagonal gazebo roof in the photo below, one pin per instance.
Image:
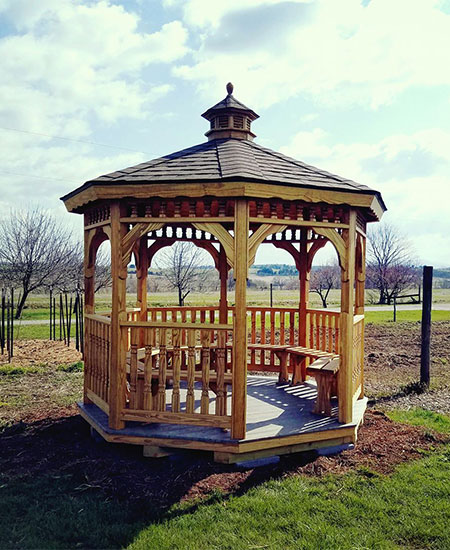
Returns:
(229, 156)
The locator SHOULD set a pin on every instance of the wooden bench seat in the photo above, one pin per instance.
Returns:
(281, 352)
(299, 353)
(325, 372)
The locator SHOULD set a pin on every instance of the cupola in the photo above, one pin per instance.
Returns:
(230, 119)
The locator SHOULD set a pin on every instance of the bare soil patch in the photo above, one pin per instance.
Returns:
(43, 353)
(392, 366)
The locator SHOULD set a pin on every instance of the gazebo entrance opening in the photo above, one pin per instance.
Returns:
(191, 376)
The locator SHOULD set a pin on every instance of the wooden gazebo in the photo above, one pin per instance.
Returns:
(198, 377)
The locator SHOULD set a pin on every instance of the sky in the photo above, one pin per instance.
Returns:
(359, 88)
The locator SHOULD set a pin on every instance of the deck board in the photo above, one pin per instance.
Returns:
(274, 411)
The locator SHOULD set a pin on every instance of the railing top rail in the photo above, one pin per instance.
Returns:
(156, 324)
(324, 311)
(183, 308)
(99, 318)
(268, 308)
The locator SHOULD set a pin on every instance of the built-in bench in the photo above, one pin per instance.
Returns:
(325, 372)
(324, 369)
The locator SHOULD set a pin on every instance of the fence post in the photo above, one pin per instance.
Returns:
(426, 325)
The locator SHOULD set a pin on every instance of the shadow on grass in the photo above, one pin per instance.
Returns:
(62, 489)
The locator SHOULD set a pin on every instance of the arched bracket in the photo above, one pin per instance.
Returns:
(313, 249)
(162, 243)
(93, 239)
(222, 235)
(258, 236)
(338, 242)
(136, 232)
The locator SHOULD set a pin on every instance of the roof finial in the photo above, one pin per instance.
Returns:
(230, 88)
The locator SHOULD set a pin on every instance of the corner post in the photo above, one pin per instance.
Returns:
(346, 322)
(360, 295)
(89, 308)
(118, 347)
(239, 388)
(303, 321)
(141, 280)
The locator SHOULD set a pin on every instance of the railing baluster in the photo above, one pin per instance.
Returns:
(148, 366)
(220, 374)
(205, 363)
(133, 367)
(292, 328)
(176, 368)
(162, 369)
(190, 397)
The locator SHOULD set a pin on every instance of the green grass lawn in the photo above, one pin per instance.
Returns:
(403, 316)
(407, 509)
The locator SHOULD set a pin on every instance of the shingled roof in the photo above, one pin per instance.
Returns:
(229, 155)
(229, 159)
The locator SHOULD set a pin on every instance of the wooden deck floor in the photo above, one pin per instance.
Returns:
(274, 412)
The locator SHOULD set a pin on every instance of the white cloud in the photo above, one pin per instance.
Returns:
(338, 52)
(411, 171)
(79, 60)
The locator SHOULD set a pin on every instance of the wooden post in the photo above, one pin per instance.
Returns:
(303, 322)
(426, 325)
(239, 391)
(118, 313)
(346, 323)
(271, 295)
(141, 289)
(89, 306)
(223, 276)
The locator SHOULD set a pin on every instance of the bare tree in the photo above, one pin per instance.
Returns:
(181, 266)
(390, 267)
(35, 251)
(323, 279)
(74, 274)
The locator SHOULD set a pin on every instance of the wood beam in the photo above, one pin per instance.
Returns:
(346, 323)
(303, 325)
(239, 391)
(118, 313)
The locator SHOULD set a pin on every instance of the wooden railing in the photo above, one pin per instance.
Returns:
(97, 359)
(324, 330)
(358, 356)
(192, 359)
(184, 314)
(270, 327)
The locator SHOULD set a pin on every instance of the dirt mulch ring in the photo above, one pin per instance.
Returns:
(64, 447)
(45, 353)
